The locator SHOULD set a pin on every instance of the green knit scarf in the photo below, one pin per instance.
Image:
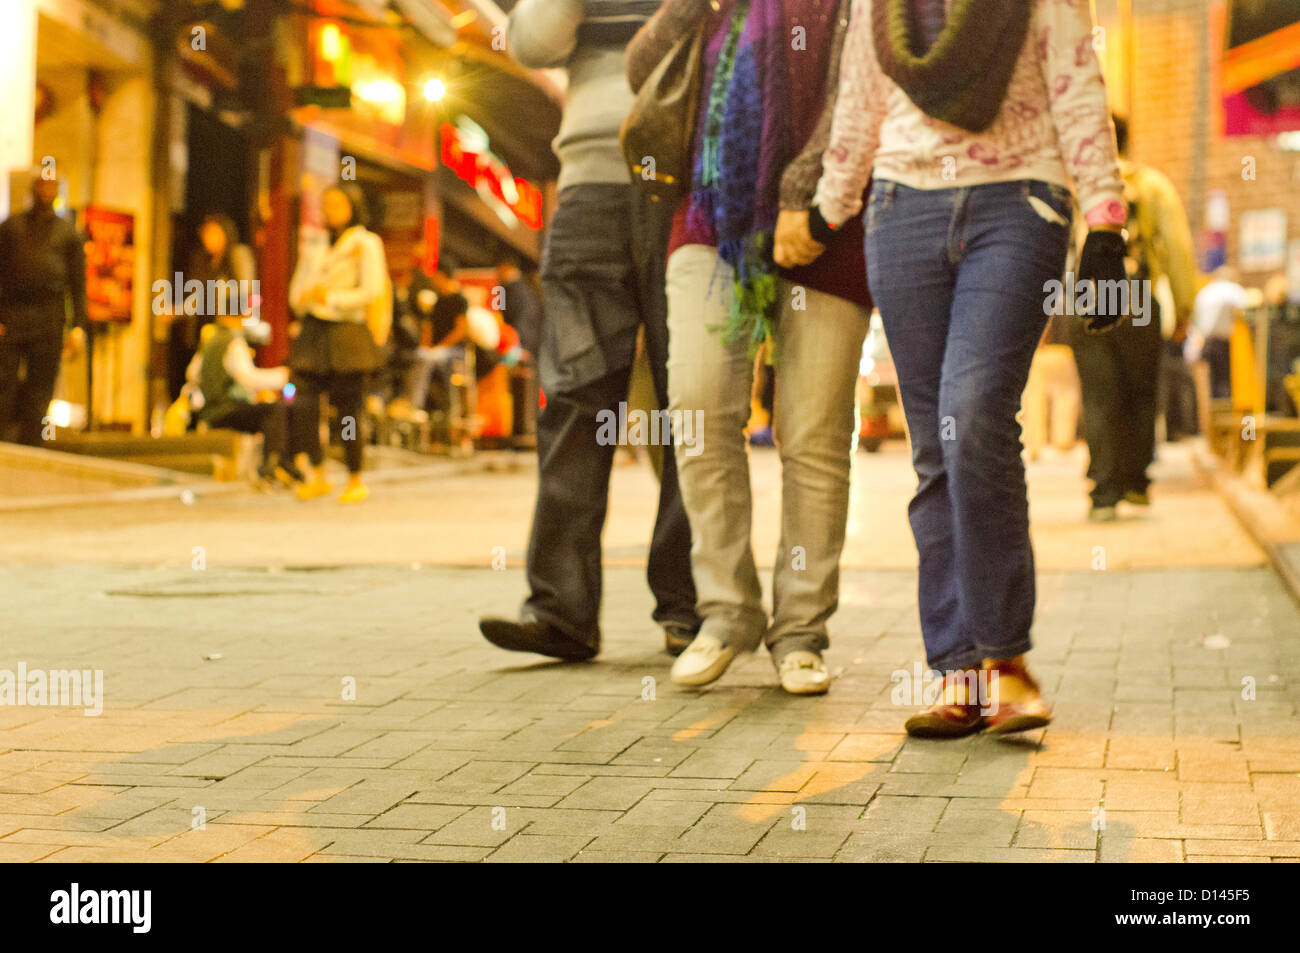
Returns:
(963, 78)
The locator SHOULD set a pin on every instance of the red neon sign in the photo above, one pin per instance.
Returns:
(481, 169)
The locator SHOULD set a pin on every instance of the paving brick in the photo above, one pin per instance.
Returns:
(969, 853)
(886, 848)
(1144, 850)
(624, 837)
(1057, 830)
(589, 856)
(663, 813)
(720, 838)
(903, 815)
(539, 848)
(417, 817)
(786, 843)
(617, 794)
(973, 826)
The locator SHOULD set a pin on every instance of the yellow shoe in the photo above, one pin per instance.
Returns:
(355, 493)
(313, 488)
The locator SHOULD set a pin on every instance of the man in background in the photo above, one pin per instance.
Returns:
(436, 301)
(42, 291)
(1120, 371)
(520, 306)
(1217, 305)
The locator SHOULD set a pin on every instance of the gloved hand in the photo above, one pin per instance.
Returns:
(1102, 259)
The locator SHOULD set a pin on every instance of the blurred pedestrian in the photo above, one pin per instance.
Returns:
(1217, 306)
(602, 279)
(219, 258)
(763, 124)
(520, 305)
(332, 290)
(1121, 372)
(971, 121)
(42, 291)
(226, 383)
(438, 301)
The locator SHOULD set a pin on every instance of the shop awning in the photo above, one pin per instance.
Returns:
(1259, 72)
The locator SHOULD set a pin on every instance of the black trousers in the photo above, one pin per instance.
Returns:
(1119, 373)
(1218, 355)
(602, 279)
(23, 402)
(1177, 395)
(271, 420)
(347, 394)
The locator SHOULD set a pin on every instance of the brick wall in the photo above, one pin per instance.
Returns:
(1172, 94)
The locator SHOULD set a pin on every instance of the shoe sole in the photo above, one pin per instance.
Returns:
(500, 635)
(707, 676)
(921, 726)
(808, 690)
(1019, 723)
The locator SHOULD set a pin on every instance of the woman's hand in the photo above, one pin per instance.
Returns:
(793, 243)
(320, 295)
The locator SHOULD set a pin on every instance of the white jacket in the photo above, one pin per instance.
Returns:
(352, 270)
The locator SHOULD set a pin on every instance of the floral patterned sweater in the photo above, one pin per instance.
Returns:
(1054, 124)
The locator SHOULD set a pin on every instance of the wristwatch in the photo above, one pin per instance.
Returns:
(1109, 212)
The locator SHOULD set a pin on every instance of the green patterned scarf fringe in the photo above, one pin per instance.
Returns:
(754, 289)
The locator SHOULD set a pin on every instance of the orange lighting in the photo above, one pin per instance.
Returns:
(331, 43)
(1252, 63)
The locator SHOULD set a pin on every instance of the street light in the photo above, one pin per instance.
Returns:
(380, 91)
(434, 90)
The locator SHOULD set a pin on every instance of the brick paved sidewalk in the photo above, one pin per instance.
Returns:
(353, 712)
(453, 750)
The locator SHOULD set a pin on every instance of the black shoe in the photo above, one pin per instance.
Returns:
(1137, 498)
(677, 635)
(535, 636)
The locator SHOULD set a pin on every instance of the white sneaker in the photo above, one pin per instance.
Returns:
(704, 661)
(804, 673)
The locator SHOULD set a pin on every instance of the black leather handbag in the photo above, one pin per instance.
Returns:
(658, 135)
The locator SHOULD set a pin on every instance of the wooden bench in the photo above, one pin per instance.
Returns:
(224, 455)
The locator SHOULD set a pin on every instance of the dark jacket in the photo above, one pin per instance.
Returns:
(42, 269)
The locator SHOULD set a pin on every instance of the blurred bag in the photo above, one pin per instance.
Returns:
(176, 419)
(379, 314)
(658, 135)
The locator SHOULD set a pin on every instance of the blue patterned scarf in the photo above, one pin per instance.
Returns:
(736, 181)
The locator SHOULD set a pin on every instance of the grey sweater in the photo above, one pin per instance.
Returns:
(588, 38)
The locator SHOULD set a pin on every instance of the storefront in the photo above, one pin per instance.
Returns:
(91, 79)
(383, 139)
(487, 210)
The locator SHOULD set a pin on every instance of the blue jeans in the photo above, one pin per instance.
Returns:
(958, 275)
